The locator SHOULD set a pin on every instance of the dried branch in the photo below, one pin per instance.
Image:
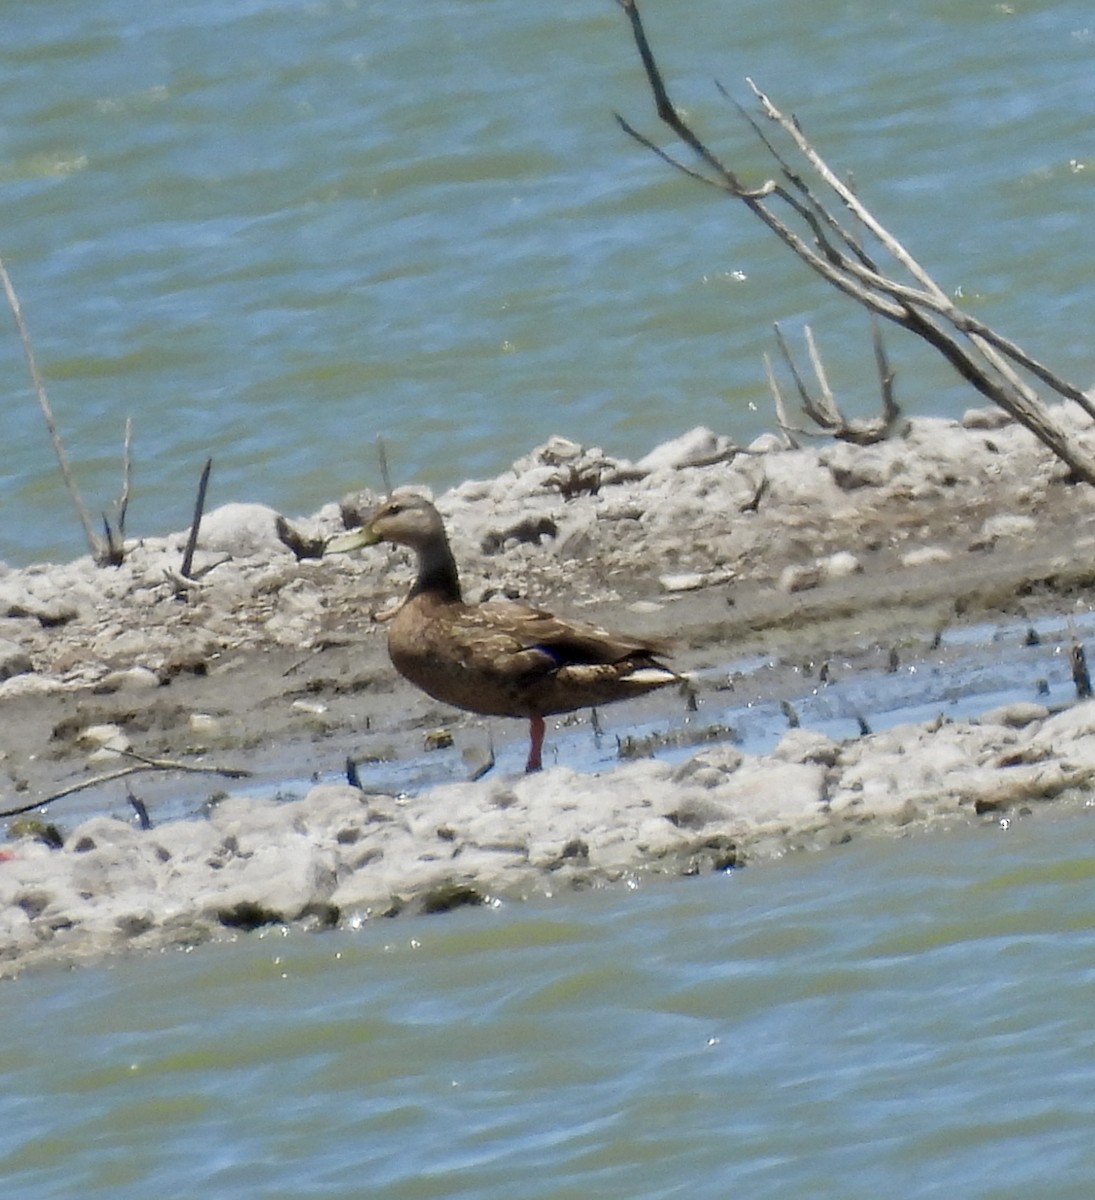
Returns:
(182, 584)
(823, 409)
(790, 432)
(195, 525)
(795, 212)
(672, 118)
(96, 547)
(850, 200)
(1081, 676)
(891, 413)
(139, 807)
(142, 763)
(382, 456)
(800, 385)
(114, 551)
(127, 478)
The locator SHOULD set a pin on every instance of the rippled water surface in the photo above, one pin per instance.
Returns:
(269, 231)
(907, 1019)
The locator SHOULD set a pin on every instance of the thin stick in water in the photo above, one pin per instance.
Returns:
(195, 526)
(47, 413)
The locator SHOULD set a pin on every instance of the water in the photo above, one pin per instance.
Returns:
(748, 701)
(907, 1019)
(270, 231)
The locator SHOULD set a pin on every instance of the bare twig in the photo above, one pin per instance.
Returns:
(93, 542)
(1081, 677)
(800, 384)
(668, 112)
(759, 492)
(823, 409)
(113, 554)
(140, 808)
(789, 431)
(827, 405)
(194, 584)
(142, 763)
(127, 478)
(891, 411)
(195, 525)
(382, 455)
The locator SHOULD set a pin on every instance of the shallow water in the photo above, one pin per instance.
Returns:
(905, 1018)
(270, 231)
(750, 702)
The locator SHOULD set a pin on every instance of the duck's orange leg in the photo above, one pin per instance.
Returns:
(536, 744)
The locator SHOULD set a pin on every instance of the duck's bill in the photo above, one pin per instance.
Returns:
(356, 539)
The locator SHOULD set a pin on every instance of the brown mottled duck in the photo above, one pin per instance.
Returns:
(502, 658)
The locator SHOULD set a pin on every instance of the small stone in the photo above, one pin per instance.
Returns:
(304, 542)
(855, 467)
(689, 581)
(1015, 716)
(187, 660)
(437, 739)
(1005, 526)
(684, 581)
(985, 418)
(205, 724)
(242, 530)
(100, 735)
(135, 678)
(807, 746)
(799, 578)
(356, 507)
(109, 751)
(55, 612)
(14, 660)
(557, 450)
(841, 565)
(698, 447)
(767, 443)
(29, 826)
(449, 895)
(926, 556)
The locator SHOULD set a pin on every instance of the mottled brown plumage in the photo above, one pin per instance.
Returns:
(500, 658)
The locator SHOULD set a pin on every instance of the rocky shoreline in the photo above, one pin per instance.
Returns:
(275, 665)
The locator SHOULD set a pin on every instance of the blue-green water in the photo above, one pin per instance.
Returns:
(901, 1019)
(270, 231)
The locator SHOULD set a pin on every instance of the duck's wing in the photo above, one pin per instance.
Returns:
(531, 640)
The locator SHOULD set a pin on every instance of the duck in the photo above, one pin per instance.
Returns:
(501, 658)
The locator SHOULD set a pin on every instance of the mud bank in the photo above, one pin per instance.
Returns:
(340, 856)
(276, 666)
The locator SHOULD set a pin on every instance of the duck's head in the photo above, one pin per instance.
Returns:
(406, 518)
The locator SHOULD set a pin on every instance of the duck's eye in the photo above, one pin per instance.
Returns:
(394, 509)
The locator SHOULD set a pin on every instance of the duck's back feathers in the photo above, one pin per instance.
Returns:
(508, 659)
(565, 641)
